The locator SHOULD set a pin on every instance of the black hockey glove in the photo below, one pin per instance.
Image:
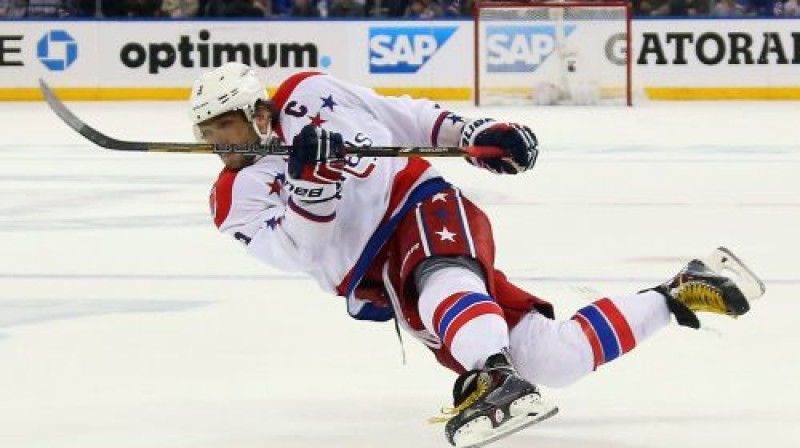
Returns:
(518, 140)
(315, 173)
(316, 156)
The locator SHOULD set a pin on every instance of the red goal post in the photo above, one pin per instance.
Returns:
(552, 53)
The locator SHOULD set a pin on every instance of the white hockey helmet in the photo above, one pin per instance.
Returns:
(232, 86)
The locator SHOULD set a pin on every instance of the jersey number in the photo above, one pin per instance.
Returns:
(294, 109)
(242, 237)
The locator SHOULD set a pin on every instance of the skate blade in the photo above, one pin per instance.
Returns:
(511, 426)
(723, 261)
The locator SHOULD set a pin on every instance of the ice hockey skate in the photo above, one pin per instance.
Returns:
(492, 403)
(719, 284)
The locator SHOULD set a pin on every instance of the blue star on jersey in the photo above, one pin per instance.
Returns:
(441, 214)
(328, 102)
(273, 222)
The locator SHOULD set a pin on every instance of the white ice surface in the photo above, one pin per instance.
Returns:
(126, 320)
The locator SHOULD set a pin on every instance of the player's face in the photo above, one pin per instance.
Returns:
(231, 128)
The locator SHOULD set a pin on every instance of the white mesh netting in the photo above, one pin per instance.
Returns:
(552, 53)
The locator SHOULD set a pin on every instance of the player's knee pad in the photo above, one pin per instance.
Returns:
(432, 265)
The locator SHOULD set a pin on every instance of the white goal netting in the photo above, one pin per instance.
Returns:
(552, 53)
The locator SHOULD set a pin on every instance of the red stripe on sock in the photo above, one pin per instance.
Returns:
(594, 340)
(625, 335)
(443, 307)
(477, 310)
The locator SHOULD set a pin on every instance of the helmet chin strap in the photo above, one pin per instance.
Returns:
(262, 137)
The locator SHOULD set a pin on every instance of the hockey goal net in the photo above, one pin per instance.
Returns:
(552, 53)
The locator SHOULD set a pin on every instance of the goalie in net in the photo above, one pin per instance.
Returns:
(397, 241)
(552, 53)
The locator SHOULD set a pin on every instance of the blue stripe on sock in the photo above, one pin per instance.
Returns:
(460, 305)
(604, 330)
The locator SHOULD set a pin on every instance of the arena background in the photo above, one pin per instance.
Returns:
(127, 320)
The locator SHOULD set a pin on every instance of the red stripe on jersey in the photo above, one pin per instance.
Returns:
(594, 340)
(222, 196)
(284, 91)
(627, 340)
(436, 126)
(467, 315)
(308, 215)
(404, 182)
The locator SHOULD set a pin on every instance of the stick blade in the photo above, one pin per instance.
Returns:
(58, 107)
(91, 134)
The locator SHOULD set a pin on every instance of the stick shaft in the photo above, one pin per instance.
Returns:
(270, 148)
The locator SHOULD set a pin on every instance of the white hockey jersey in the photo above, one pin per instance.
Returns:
(252, 206)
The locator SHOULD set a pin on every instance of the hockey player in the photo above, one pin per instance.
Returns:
(396, 240)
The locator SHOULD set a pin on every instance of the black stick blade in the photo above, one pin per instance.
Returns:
(91, 134)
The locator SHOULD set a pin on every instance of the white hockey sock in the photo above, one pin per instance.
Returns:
(558, 353)
(455, 306)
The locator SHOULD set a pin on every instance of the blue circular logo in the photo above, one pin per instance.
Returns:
(325, 61)
(57, 50)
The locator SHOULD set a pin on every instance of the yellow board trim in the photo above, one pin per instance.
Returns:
(606, 92)
(182, 94)
(433, 93)
(722, 93)
(97, 94)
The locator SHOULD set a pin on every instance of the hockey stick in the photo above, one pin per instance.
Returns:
(272, 147)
